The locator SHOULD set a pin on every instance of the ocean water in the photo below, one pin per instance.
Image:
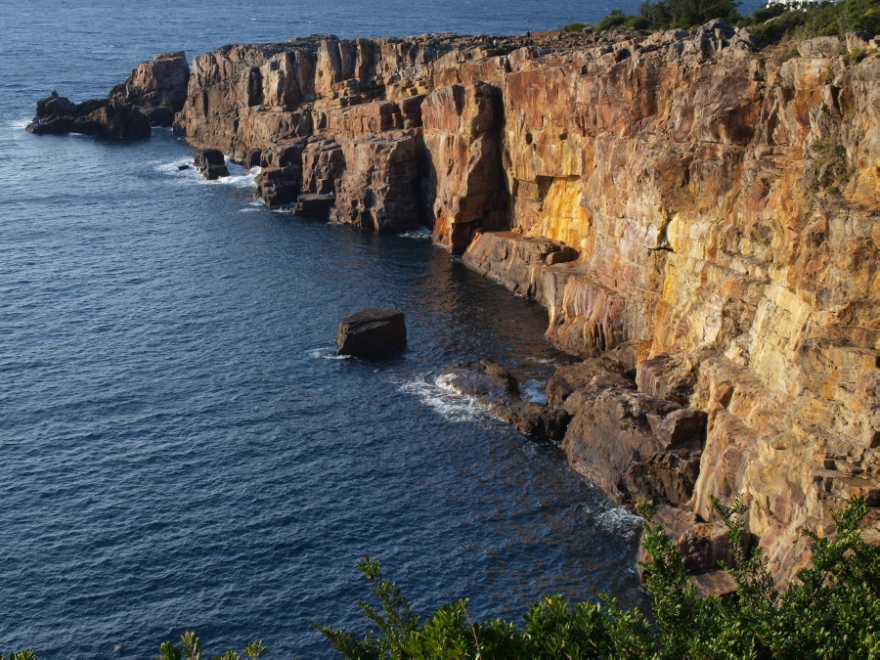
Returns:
(181, 447)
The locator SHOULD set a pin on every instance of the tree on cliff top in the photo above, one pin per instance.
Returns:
(665, 14)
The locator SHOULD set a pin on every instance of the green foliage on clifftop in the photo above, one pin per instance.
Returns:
(832, 610)
(772, 23)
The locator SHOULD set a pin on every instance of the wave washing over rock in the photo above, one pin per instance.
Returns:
(700, 217)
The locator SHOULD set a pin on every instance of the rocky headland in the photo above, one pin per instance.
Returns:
(699, 215)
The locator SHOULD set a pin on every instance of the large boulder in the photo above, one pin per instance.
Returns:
(371, 331)
(633, 445)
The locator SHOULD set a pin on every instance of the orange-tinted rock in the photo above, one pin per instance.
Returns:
(711, 208)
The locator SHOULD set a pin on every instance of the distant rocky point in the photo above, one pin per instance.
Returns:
(153, 93)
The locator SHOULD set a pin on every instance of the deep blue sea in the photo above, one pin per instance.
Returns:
(180, 448)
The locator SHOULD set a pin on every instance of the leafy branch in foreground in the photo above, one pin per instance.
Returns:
(191, 649)
(832, 610)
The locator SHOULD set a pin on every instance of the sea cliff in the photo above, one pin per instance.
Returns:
(699, 215)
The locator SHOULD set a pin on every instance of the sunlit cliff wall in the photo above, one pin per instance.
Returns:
(711, 208)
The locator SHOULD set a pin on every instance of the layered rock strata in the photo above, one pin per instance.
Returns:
(706, 211)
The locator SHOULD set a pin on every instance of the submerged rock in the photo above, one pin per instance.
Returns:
(371, 331)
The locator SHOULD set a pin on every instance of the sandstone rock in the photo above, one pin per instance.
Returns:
(463, 139)
(279, 186)
(377, 189)
(627, 443)
(157, 88)
(211, 163)
(713, 208)
(372, 331)
(485, 380)
(703, 546)
(537, 420)
(713, 583)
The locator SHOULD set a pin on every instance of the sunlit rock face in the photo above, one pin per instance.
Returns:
(710, 209)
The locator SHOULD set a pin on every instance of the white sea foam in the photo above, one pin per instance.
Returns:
(619, 521)
(18, 123)
(421, 233)
(325, 353)
(439, 394)
(533, 390)
(238, 177)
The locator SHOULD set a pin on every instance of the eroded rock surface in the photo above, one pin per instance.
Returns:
(101, 118)
(712, 209)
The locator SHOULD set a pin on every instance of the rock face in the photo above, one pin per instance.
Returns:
(152, 94)
(157, 88)
(371, 331)
(634, 445)
(703, 215)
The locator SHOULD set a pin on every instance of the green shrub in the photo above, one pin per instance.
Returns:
(574, 27)
(771, 24)
(832, 610)
(665, 14)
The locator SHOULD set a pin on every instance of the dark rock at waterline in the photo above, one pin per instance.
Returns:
(493, 385)
(371, 331)
(211, 164)
(486, 381)
(98, 117)
(314, 205)
(183, 167)
(536, 419)
(279, 186)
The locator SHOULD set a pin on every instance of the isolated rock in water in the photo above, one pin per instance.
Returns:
(211, 164)
(99, 117)
(371, 331)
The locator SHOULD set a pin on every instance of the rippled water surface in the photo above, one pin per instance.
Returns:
(181, 448)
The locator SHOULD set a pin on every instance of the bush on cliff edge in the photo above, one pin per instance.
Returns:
(832, 610)
(771, 23)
